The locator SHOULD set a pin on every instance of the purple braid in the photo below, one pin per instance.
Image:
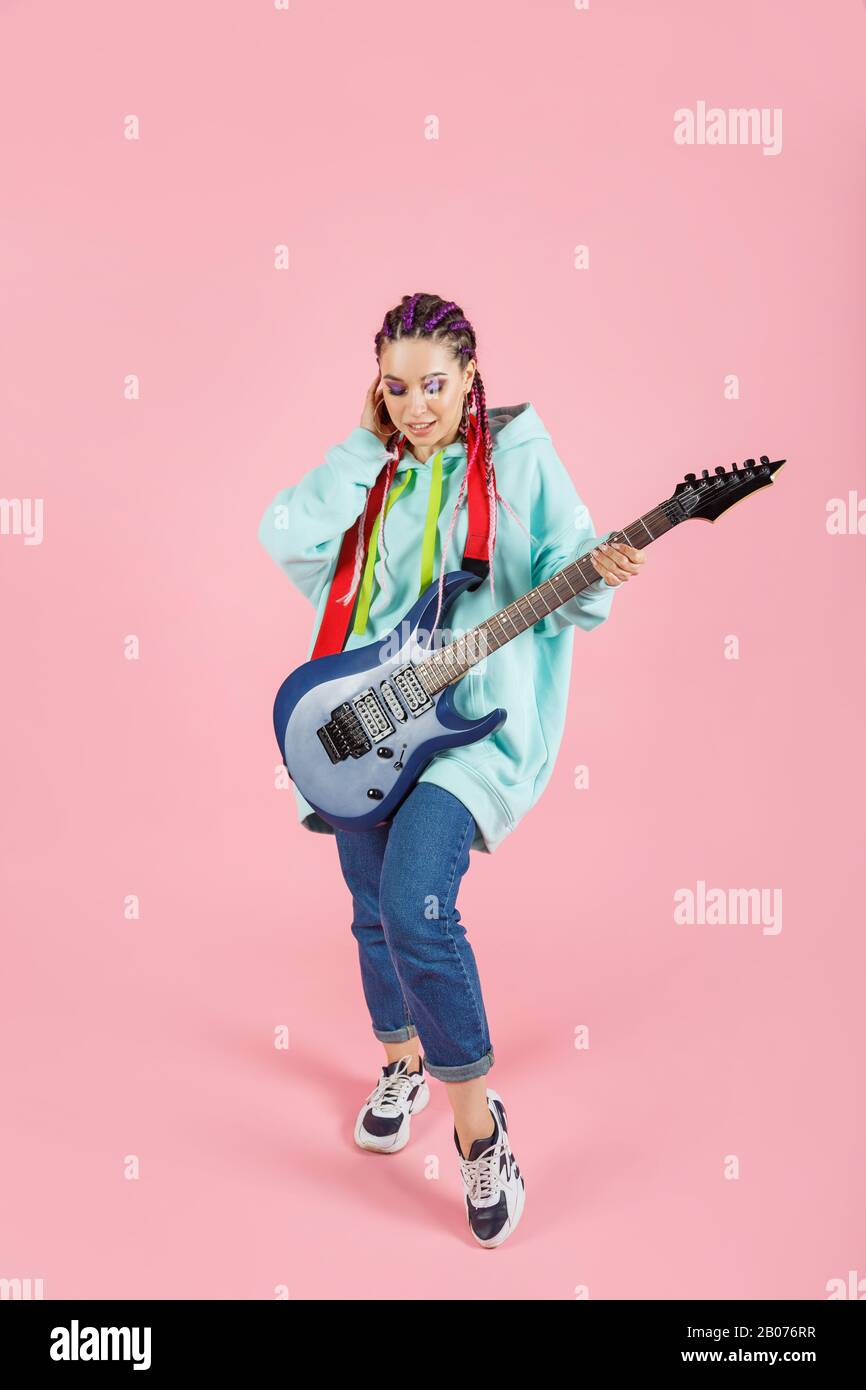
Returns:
(443, 309)
(409, 313)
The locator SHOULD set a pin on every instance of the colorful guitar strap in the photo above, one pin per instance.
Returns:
(338, 618)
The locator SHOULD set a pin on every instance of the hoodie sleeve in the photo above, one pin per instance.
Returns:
(303, 527)
(565, 531)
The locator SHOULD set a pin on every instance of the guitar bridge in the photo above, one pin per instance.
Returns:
(343, 736)
(354, 727)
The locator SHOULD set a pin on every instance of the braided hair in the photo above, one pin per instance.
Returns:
(430, 317)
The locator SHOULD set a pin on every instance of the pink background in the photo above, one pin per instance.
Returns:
(156, 777)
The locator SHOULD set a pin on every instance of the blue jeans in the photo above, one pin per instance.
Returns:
(417, 968)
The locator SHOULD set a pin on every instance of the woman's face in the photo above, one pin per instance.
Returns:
(423, 384)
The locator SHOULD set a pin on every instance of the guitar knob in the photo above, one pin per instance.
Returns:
(375, 793)
(385, 752)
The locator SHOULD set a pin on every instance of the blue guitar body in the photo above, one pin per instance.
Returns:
(356, 731)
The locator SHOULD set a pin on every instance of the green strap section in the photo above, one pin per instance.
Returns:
(366, 594)
(431, 525)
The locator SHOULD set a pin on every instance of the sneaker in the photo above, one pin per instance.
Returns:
(494, 1186)
(384, 1118)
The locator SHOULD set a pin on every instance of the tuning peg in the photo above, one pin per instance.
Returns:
(690, 478)
(720, 469)
(734, 468)
(706, 473)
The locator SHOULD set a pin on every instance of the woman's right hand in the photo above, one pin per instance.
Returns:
(371, 418)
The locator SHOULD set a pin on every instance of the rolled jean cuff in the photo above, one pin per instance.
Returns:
(397, 1034)
(464, 1073)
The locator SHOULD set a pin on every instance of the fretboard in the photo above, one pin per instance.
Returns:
(448, 663)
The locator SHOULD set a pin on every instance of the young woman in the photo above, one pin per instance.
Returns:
(425, 437)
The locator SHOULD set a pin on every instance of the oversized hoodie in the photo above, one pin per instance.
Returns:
(500, 777)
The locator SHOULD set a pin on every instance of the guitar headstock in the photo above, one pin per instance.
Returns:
(713, 493)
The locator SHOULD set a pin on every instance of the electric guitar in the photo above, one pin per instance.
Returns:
(355, 729)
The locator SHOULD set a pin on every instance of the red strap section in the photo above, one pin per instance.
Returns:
(479, 517)
(334, 626)
(478, 500)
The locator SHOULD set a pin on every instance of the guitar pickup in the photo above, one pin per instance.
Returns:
(414, 695)
(372, 715)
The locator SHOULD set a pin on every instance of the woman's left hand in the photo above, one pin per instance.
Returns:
(616, 561)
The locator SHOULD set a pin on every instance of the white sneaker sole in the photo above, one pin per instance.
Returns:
(391, 1143)
(511, 1225)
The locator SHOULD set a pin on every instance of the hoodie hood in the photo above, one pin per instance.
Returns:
(510, 426)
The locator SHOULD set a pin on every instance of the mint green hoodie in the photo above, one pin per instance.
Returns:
(499, 778)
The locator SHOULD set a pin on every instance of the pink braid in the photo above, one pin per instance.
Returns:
(382, 550)
(516, 517)
(359, 551)
(491, 534)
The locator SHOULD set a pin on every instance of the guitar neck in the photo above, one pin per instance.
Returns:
(450, 662)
